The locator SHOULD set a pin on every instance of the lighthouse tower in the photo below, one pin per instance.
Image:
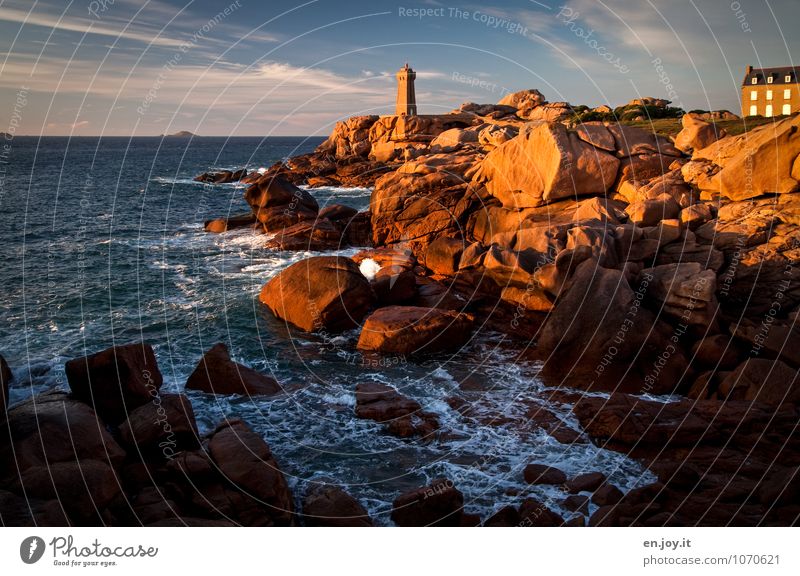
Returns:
(406, 100)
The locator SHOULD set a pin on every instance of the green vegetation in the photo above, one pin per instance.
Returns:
(664, 120)
(671, 126)
(627, 113)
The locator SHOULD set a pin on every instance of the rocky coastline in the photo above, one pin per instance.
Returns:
(658, 274)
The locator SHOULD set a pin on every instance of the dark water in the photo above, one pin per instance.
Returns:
(102, 243)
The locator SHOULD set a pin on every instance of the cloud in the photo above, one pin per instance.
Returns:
(82, 25)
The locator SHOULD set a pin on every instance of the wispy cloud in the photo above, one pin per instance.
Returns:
(84, 25)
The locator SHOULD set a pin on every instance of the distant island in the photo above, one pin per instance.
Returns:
(181, 134)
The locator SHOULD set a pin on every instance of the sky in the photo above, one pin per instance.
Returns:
(275, 67)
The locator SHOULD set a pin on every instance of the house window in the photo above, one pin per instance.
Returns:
(768, 113)
(754, 81)
(787, 93)
(787, 78)
(769, 94)
(753, 110)
(787, 109)
(769, 79)
(753, 95)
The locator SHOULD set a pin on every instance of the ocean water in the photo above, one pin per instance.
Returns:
(103, 243)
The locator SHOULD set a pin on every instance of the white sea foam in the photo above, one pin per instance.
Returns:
(369, 268)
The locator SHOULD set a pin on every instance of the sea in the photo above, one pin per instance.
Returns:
(103, 243)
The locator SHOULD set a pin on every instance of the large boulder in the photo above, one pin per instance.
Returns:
(438, 504)
(536, 514)
(545, 162)
(760, 380)
(759, 240)
(216, 373)
(337, 212)
(421, 200)
(456, 137)
(309, 235)
(761, 161)
(547, 112)
(407, 330)
(390, 273)
(686, 290)
(115, 381)
(697, 133)
(54, 427)
(524, 99)
(349, 137)
(278, 203)
(632, 141)
(600, 336)
(246, 461)
(494, 135)
(163, 427)
(84, 488)
(328, 505)
(320, 293)
(443, 255)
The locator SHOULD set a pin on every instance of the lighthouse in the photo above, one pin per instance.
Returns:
(406, 100)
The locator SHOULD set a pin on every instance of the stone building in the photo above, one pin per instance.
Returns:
(770, 92)
(406, 100)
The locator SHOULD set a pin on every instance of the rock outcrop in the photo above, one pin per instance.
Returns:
(216, 373)
(438, 504)
(115, 380)
(758, 162)
(222, 177)
(545, 162)
(697, 133)
(320, 293)
(407, 330)
(62, 464)
(328, 505)
(277, 203)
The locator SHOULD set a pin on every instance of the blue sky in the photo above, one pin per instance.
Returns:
(255, 67)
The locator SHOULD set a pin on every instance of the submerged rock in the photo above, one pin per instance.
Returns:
(438, 504)
(403, 416)
(222, 177)
(327, 505)
(220, 225)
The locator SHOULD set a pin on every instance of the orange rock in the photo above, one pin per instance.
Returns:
(320, 293)
(410, 329)
(545, 162)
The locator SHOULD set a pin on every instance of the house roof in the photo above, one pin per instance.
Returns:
(778, 75)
